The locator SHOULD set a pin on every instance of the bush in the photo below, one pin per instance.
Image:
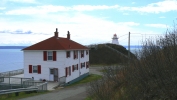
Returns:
(153, 76)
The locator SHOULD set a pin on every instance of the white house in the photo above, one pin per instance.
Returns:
(56, 57)
(115, 40)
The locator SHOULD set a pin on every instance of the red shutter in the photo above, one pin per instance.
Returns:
(39, 69)
(69, 70)
(81, 53)
(77, 54)
(66, 71)
(77, 66)
(86, 64)
(30, 68)
(73, 67)
(54, 55)
(45, 55)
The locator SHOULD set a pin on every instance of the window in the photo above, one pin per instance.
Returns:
(75, 54)
(82, 65)
(35, 69)
(82, 53)
(75, 67)
(49, 55)
(87, 52)
(67, 54)
(51, 71)
(87, 64)
(68, 71)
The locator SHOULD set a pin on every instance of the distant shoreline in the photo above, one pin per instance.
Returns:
(12, 47)
(21, 47)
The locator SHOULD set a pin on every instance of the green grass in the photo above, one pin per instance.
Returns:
(87, 79)
(21, 95)
(88, 98)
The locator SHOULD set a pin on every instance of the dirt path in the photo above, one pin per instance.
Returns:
(69, 93)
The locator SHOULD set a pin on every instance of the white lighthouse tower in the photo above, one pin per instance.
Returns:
(115, 40)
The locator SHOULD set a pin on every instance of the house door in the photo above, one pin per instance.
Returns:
(51, 75)
(56, 74)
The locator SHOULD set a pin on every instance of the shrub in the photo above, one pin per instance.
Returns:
(153, 76)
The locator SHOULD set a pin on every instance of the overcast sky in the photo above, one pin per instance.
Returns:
(25, 22)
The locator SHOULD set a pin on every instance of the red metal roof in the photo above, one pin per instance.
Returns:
(56, 43)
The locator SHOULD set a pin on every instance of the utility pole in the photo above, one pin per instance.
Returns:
(174, 39)
(129, 46)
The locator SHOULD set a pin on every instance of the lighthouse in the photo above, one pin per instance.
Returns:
(115, 40)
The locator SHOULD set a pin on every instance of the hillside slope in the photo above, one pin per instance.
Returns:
(102, 54)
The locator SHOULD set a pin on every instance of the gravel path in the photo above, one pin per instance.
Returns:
(69, 93)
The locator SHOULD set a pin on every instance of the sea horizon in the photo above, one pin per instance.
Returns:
(21, 47)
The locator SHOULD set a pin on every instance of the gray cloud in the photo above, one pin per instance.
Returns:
(16, 32)
(21, 32)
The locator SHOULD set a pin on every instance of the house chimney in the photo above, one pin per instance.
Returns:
(68, 35)
(56, 33)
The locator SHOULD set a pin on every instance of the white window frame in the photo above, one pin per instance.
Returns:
(49, 55)
(75, 67)
(33, 69)
(83, 65)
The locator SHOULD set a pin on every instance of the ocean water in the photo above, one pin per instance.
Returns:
(10, 59)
